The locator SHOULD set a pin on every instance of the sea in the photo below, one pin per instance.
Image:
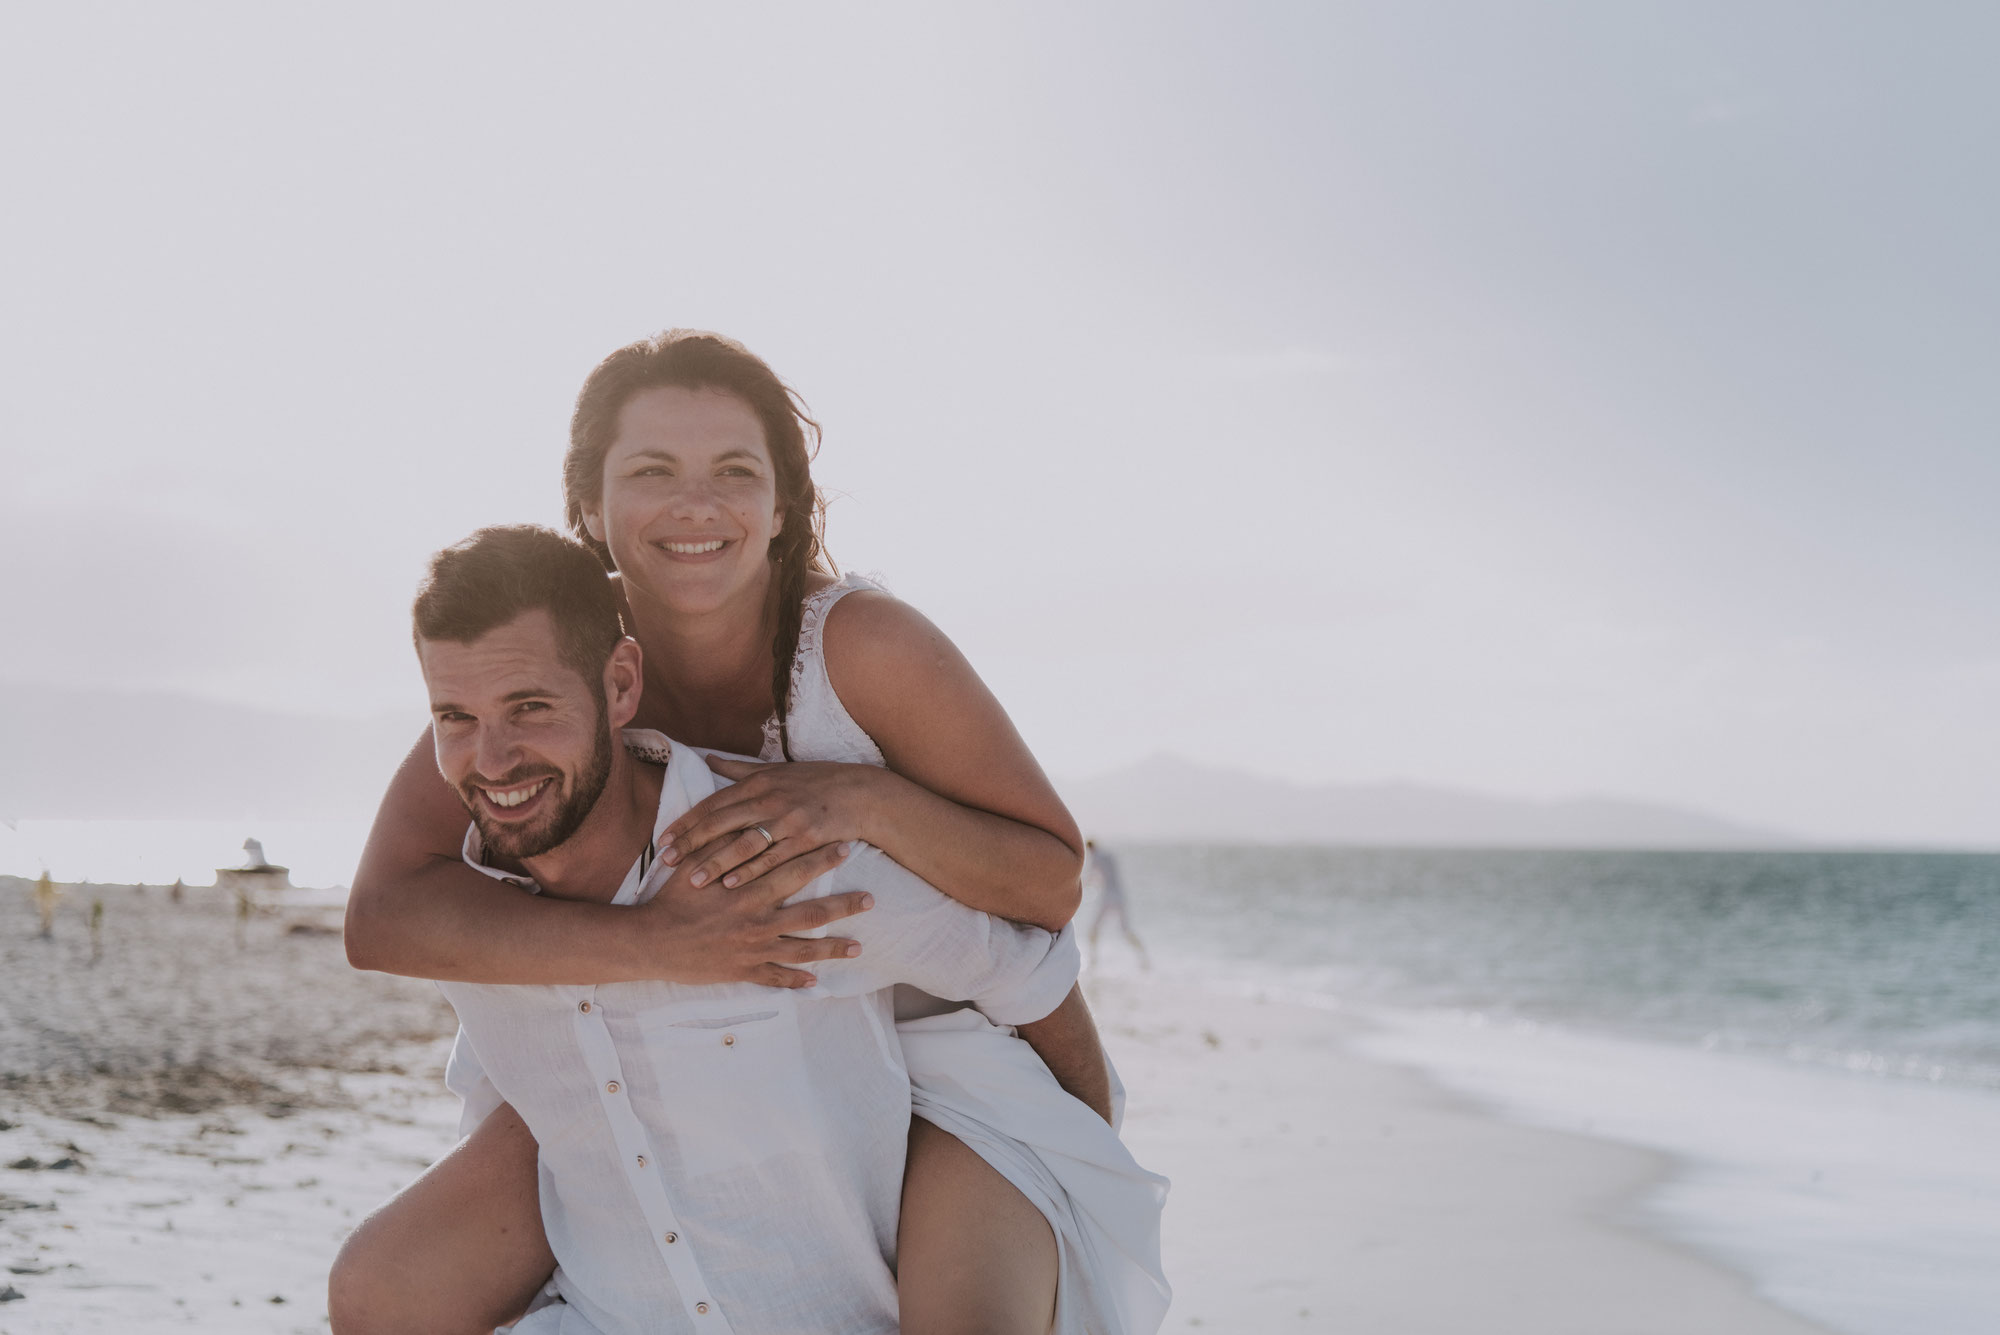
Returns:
(1811, 1040)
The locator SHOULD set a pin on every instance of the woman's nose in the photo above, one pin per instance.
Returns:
(694, 496)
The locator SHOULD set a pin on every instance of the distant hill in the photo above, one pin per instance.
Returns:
(1166, 798)
(92, 755)
(95, 755)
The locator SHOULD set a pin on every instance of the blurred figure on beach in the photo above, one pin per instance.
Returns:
(47, 894)
(1100, 868)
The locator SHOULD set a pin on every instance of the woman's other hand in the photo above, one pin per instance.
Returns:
(714, 933)
(803, 806)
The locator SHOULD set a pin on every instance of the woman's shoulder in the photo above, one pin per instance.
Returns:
(872, 628)
(888, 662)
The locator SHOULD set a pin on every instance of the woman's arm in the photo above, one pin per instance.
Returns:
(417, 909)
(963, 803)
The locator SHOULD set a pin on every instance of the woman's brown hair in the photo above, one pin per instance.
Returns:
(693, 359)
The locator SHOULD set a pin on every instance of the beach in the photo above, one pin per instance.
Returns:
(1315, 1190)
(192, 1124)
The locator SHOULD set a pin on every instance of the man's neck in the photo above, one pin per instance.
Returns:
(591, 864)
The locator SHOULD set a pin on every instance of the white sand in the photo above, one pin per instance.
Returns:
(1313, 1190)
(1316, 1191)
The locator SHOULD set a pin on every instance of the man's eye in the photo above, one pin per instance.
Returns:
(533, 706)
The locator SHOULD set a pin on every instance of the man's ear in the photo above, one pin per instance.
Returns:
(624, 678)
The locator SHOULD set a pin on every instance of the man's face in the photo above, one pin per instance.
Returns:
(521, 736)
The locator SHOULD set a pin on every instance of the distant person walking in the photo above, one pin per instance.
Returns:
(1100, 868)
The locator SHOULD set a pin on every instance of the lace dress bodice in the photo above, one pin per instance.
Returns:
(819, 726)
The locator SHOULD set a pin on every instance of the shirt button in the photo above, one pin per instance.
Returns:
(642, 1161)
(583, 1006)
(673, 1237)
(611, 1087)
(702, 1308)
(729, 1040)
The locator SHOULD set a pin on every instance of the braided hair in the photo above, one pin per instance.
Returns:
(693, 359)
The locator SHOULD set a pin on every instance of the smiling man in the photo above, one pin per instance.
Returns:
(718, 1157)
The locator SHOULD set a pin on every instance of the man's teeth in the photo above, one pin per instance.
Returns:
(694, 548)
(513, 797)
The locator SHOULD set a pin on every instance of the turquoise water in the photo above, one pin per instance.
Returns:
(1885, 960)
(1813, 1038)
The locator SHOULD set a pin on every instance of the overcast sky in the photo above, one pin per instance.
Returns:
(1547, 399)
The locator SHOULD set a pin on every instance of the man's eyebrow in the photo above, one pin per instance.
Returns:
(512, 697)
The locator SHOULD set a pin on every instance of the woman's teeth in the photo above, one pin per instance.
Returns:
(513, 797)
(693, 548)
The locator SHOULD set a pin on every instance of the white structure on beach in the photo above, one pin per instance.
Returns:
(255, 874)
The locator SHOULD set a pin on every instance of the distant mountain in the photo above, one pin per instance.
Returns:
(96, 755)
(1166, 798)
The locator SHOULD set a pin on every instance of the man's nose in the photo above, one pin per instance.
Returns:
(496, 753)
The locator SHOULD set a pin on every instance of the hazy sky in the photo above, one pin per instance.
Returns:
(1548, 399)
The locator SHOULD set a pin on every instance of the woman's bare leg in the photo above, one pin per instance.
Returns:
(459, 1250)
(973, 1255)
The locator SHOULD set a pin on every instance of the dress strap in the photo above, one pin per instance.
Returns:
(810, 655)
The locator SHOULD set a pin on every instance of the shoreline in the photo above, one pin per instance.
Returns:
(1319, 1189)
(231, 1098)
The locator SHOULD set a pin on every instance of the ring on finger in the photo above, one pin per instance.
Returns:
(769, 838)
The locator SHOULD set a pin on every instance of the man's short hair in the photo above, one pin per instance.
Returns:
(485, 581)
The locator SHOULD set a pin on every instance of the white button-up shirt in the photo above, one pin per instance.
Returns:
(729, 1157)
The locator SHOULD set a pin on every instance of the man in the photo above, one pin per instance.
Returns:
(712, 1158)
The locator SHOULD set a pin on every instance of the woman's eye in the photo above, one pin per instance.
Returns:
(737, 472)
(651, 470)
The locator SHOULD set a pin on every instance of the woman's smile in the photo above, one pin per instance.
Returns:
(689, 499)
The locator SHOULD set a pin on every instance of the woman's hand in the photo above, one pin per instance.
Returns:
(803, 805)
(717, 934)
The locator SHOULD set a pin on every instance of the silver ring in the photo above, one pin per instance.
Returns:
(769, 838)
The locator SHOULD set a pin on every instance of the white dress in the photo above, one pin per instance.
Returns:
(986, 1086)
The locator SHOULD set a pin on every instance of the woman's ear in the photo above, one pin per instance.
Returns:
(593, 524)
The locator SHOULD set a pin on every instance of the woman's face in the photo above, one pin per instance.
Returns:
(690, 500)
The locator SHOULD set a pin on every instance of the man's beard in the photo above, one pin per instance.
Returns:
(510, 840)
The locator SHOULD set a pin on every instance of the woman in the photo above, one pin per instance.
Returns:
(688, 471)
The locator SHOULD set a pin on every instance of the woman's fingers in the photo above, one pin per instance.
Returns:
(766, 857)
(675, 837)
(812, 949)
(817, 913)
(777, 975)
(723, 818)
(727, 856)
(735, 769)
(786, 879)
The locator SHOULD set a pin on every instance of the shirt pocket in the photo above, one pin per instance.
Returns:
(732, 1078)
